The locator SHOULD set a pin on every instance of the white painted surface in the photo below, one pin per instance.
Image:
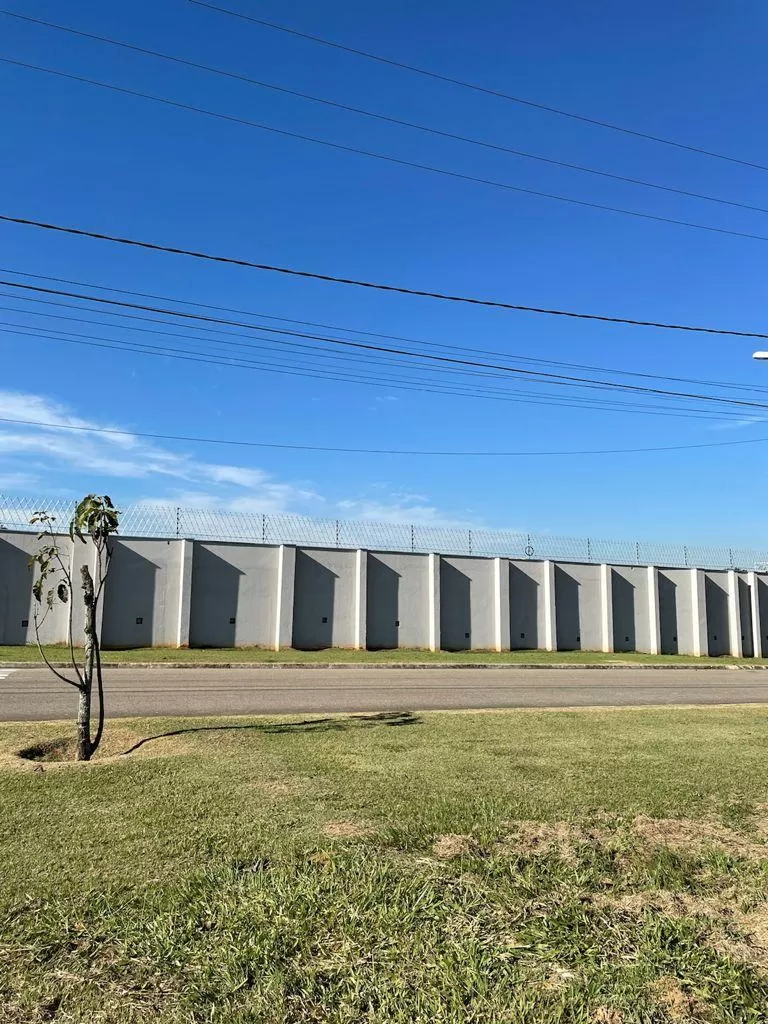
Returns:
(734, 615)
(606, 608)
(698, 614)
(185, 592)
(434, 602)
(361, 592)
(754, 599)
(550, 623)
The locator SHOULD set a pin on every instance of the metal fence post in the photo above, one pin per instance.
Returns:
(589, 550)
(263, 527)
(685, 554)
(338, 529)
(637, 552)
(178, 521)
(730, 556)
(469, 535)
(413, 542)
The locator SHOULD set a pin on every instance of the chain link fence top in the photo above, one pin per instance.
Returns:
(169, 521)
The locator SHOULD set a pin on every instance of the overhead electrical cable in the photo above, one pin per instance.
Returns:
(376, 286)
(377, 334)
(358, 151)
(391, 350)
(486, 90)
(372, 351)
(387, 382)
(376, 115)
(242, 443)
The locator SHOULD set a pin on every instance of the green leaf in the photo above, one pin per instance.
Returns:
(37, 590)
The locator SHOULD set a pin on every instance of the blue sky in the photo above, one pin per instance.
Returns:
(77, 155)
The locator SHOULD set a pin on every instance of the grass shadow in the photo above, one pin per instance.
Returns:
(62, 749)
(336, 724)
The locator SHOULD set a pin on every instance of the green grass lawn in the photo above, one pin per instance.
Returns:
(338, 655)
(521, 867)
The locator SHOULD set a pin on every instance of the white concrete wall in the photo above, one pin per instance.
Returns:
(142, 597)
(233, 595)
(397, 595)
(180, 592)
(630, 608)
(527, 619)
(467, 604)
(676, 611)
(718, 625)
(578, 607)
(17, 604)
(324, 598)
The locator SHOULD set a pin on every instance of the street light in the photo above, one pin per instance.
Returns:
(760, 355)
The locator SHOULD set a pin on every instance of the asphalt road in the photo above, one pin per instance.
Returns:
(33, 694)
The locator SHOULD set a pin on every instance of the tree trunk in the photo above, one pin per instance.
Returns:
(84, 724)
(84, 749)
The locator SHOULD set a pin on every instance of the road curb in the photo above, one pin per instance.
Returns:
(405, 665)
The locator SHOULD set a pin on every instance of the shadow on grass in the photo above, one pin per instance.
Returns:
(62, 749)
(304, 725)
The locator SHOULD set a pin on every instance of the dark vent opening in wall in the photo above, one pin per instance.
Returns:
(24, 623)
(139, 620)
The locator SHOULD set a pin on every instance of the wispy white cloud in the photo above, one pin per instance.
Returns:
(746, 421)
(127, 457)
(402, 509)
(46, 450)
(18, 481)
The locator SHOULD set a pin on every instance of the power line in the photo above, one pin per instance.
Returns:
(370, 356)
(553, 378)
(349, 108)
(377, 451)
(371, 351)
(377, 334)
(397, 289)
(458, 389)
(596, 122)
(358, 151)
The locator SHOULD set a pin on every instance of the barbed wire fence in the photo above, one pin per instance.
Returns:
(171, 521)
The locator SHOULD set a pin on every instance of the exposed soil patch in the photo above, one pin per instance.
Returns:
(689, 836)
(662, 901)
(61, 752)
(679, 1005)
(451, 845)
(346, 829)
(62, 749)
(279, 787)
(532, 838)
(605, 1015)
